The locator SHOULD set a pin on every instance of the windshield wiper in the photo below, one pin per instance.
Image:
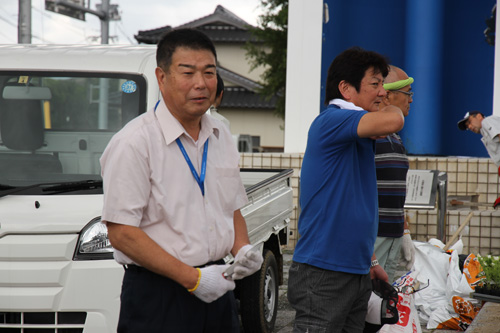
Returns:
(53, 187)
(15, 189)
(4, 187)
(74, 186)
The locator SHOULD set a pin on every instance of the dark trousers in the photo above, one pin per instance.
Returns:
(153, 303)
(327, 301)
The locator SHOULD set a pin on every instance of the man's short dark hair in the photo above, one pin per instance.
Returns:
(351, 66)
(189, 38)
(220, 85)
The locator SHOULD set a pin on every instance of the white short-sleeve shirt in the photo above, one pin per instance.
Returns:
(148, 184)
(490, 128)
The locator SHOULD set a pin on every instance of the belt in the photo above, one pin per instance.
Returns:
(136, 268)
(210, 263)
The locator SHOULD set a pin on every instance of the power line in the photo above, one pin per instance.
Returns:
(8, 37)
(8, 22)
(43, 13)
(6, 12)
(42, 39)
(41, 18)
(119, 26)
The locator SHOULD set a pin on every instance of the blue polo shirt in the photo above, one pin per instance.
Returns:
(338, 195)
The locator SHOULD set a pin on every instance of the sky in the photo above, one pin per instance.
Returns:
(51, 28)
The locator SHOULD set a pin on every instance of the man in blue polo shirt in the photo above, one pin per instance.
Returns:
(329, 281)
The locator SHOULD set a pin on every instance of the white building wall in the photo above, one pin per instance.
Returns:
(305, 23)
(234, 59)
(261, 123)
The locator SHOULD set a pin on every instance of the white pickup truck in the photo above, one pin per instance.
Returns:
(59, 107)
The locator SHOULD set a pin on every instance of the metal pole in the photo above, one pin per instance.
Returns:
(105, 22)
(442, 205)
(103, 103)
(24, 22)
(104, 82)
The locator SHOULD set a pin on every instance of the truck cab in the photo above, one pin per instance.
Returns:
(59, 107)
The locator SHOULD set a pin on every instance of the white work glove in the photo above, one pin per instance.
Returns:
(247, 262)
(408, 249)
(212, 283)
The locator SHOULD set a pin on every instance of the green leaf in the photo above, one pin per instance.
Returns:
(270, 51)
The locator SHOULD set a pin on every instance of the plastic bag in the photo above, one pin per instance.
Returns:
(433, 264)
(408, 316)
(463, 314)
(446, 303)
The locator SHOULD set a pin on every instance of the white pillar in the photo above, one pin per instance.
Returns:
(496, 81)
(303, 73)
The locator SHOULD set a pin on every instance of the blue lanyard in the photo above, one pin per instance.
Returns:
(201, 178)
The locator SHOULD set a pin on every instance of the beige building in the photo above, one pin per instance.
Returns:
(252, 117)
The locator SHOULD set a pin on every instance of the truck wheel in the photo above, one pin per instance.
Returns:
(259, 297)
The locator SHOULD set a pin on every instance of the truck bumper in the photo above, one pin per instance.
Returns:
(41, 287)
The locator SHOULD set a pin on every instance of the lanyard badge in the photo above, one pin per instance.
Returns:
(201, 178)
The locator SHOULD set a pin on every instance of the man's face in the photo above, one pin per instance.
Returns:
(189, 85)
(400, 99)
(371, 92)
(473, 124)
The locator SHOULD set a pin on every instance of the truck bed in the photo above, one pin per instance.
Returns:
(270, 196)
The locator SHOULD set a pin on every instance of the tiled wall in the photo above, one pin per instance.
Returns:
(469, 179)
(476, 183)
(466, 176)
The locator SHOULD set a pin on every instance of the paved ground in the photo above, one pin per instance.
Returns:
(284, 321)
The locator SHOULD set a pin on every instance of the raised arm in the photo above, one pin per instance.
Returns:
(381, 123)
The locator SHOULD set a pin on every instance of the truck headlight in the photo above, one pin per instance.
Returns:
(93, 243)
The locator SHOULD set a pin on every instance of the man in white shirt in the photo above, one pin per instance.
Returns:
(172, 199)
(489, 128)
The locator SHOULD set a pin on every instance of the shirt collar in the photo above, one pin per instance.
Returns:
(343, 104)
(172, 128)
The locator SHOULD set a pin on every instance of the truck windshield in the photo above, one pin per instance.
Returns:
(55, 126)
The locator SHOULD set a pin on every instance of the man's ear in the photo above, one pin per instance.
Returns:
(345, 90)
(160, 75)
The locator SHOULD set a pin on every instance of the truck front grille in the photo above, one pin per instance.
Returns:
(38, 322)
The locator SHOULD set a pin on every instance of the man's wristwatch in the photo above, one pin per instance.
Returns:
(374, 263)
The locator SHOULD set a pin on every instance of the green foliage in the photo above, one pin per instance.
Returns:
(491, 268)
(270, 50)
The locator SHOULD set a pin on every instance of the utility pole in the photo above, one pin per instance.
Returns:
(105, 22)
(24, 22)
(73, 8)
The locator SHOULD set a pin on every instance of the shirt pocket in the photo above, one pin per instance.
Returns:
(228, 186)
